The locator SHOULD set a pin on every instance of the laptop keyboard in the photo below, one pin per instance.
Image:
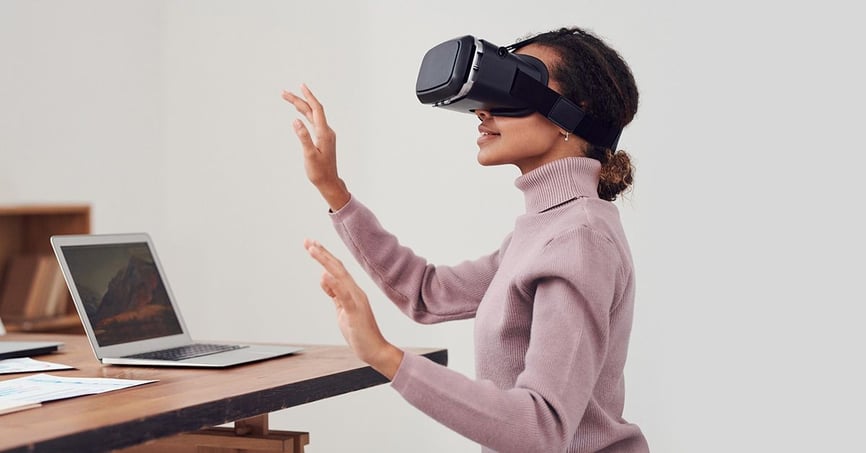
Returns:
(186, 352)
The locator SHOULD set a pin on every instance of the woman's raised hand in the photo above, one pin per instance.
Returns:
(320, 156)
(354, 315)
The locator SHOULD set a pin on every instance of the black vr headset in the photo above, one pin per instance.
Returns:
(467, 74)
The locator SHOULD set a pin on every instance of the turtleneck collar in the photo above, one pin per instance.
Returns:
(559, 181)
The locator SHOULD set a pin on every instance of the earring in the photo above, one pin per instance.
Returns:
(566, 135)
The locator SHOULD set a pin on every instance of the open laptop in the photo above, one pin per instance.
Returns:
(128, 311)
(11, 349)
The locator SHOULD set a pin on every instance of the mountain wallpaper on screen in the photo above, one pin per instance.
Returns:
(135, 306)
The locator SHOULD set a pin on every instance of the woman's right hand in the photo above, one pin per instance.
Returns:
(320, 157)
(354, 315)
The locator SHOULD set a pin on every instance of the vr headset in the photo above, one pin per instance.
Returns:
(467, 74)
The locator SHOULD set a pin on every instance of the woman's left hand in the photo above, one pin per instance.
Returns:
(320, 156)
(354, 315)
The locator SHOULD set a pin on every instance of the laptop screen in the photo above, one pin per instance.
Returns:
(122, 292)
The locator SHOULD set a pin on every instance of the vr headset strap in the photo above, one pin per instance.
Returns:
(563, 112)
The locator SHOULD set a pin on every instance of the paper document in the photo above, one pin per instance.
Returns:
(15, 406)
(28, 365)
(40, 388)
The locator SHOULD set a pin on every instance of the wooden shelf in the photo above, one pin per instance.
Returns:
(68, 323)
(25, 230)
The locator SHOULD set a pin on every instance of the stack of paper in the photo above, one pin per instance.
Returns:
(7, 406)
(28, 365)
(27, 392)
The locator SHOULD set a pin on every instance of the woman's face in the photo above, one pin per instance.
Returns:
(529, 141)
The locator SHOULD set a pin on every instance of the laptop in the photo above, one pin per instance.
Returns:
(128, 311)
(12, 349)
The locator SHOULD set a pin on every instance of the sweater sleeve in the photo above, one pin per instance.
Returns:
(424, 292)
(573, 293)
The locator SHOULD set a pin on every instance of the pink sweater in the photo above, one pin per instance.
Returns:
(553, 312)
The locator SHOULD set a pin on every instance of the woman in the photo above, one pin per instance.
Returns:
(552, 307)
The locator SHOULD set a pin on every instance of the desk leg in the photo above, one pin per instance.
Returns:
(255, 426)
(248, 435)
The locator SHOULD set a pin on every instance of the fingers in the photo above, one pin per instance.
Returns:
(300, 105)
(327, 285)
(304, 136)
(331, 264)
(318, 112)
(336, 281)
(340, 292)
(320, 147)
(300, 128)
(309, 107)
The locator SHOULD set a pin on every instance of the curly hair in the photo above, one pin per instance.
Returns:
(595, 76)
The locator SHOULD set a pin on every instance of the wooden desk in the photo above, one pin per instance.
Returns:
(183, 400)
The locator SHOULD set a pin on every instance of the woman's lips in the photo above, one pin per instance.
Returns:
(487, 134)
(486, 137)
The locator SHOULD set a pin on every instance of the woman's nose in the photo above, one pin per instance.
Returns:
(482, 114)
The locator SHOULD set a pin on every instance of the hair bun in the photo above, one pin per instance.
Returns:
(617, 174)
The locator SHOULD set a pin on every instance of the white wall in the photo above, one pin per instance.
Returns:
(744, 222)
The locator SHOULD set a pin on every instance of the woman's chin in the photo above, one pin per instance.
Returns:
(486, 158)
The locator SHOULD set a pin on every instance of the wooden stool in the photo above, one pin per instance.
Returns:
(248, 435)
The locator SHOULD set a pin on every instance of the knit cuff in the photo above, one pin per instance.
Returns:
(345, 212)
